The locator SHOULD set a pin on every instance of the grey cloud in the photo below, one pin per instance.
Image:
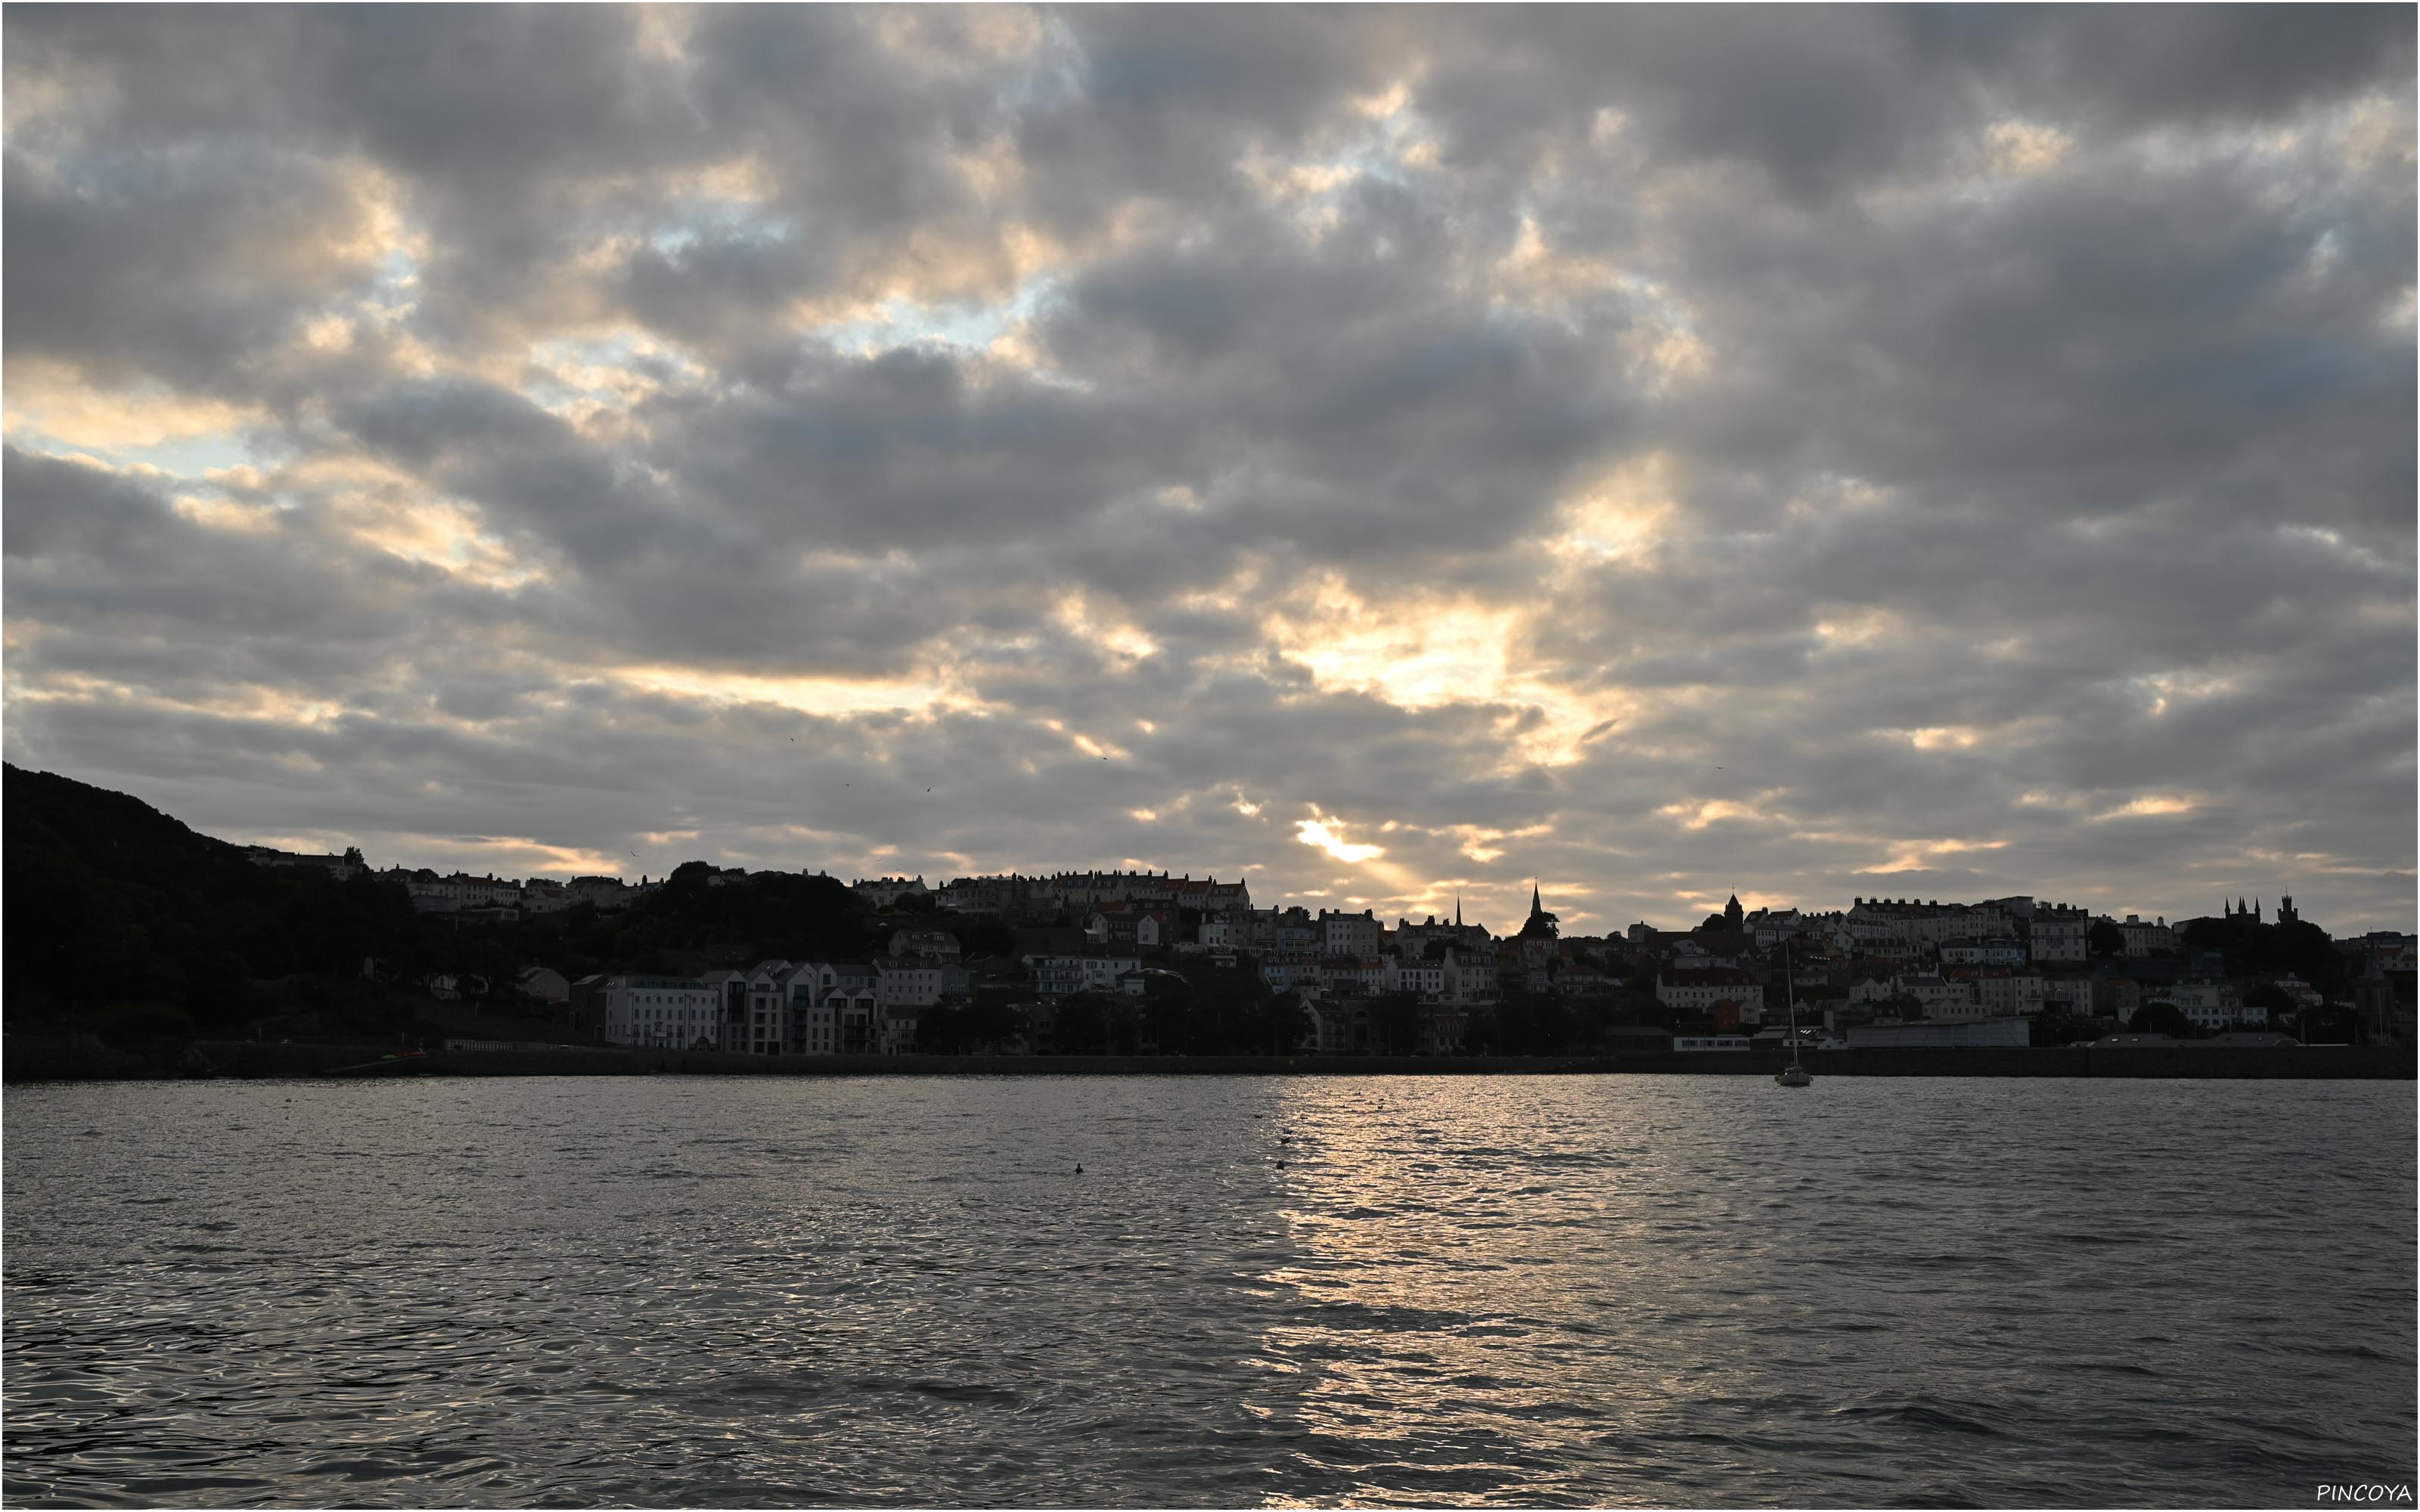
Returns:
(57, 507)
(903, 451)
(2148, 63)
(176, 265)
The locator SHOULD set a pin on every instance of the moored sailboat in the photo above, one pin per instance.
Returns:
(1792, 1075)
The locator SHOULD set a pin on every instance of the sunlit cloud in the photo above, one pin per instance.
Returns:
(824, 697)
(1325, 834)
(2150, 805)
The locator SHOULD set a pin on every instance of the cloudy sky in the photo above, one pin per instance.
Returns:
(1803, 453)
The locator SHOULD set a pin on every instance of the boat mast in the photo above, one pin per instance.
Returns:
(1789, 995)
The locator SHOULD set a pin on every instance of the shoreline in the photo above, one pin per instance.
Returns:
(55, 1058)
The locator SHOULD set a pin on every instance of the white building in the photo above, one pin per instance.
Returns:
(849, 1017)
(2152, 938)
(1999, 951)
(766, 1023)
(659, 1012)
(897, 1033)
(2224, 1015)
(909, 983)
(1470, 975)
(1770, 926)
(1426, 978)
(1058, 976)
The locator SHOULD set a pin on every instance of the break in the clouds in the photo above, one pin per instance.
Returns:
(1395, 455)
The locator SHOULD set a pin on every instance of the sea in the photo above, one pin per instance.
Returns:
(1176, 1291)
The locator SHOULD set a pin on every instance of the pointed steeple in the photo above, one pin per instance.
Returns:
(1457, 910)
(1536, 905)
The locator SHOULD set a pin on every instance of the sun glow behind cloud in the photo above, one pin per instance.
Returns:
(1426, 650)
(1325, 834)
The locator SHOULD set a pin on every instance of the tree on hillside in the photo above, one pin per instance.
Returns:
(2160, 1018)
(2273, 998)
(2105, 938)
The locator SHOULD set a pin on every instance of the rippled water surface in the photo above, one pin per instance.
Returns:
(1453, 1289)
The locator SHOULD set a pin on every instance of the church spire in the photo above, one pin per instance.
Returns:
(1457, 910)
(1536, 905)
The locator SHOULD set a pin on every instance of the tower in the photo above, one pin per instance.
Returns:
(1541, 925)
(1732, 913)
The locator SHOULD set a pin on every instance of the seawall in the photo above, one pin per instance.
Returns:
(28, 1059)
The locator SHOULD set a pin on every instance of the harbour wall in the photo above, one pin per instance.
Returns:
(25, 1058)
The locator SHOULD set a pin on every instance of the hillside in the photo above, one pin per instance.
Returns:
(121, 919)
(116, 913)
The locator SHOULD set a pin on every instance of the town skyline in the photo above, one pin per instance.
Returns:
(1457, 905)
(1896, 451)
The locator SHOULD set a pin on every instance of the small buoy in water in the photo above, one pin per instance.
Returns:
(1080, 1169)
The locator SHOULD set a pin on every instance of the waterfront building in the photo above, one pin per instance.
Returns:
(766, 1024)
(659, 1013)
(1967, 1034)
(1709, 1041)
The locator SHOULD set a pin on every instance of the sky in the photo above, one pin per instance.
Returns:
(1391, 456)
